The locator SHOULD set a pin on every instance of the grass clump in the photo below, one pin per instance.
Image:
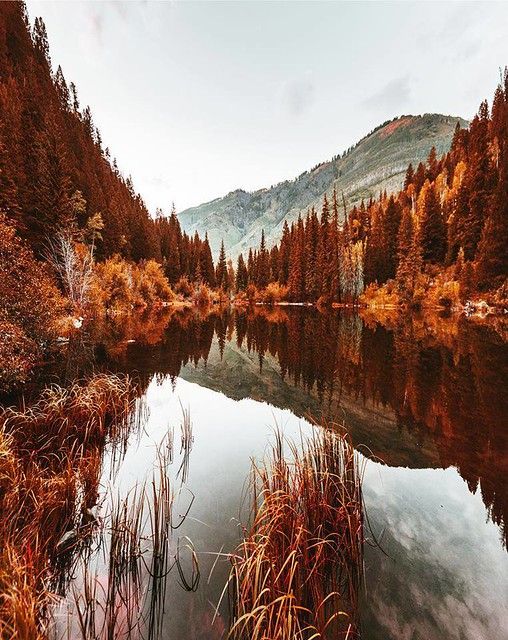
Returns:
(297, 571)
(50, 460)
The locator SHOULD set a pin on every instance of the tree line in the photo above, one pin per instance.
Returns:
(56, 174)
(449, 222)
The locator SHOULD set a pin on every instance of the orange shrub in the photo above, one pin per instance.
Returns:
(30, 305)
(252, 293)
(201, 295)
(184, 288)
(385, 296)
(274, 293)
(119, 286)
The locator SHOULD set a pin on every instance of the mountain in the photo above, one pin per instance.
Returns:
(378, 162)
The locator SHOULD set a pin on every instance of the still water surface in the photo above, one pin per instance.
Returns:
(426, 404)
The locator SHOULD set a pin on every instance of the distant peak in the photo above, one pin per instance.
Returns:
(393, 125)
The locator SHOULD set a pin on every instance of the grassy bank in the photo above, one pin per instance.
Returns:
(50, 461)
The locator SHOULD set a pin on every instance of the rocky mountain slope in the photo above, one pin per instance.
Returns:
(379, 161)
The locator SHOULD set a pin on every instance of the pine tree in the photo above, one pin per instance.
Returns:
(263, 264)
(480, 182)
(323, 274)
(334, 264)
(296, 280)
(409, 176)
(409, 255)
(311, 271)
(205, 261)
(221, 271)
(62, 89)
(284, 253)
(242, 276)
(432, 235)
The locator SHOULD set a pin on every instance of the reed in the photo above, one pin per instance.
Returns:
(124, 597)
(187, 440)
(297, 572)
(50, 461)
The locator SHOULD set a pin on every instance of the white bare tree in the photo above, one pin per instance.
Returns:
(73, 266)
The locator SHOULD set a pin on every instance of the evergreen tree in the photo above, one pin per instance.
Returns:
(242, 276)
(432, 236)
(409, 255)
(263, 264)
(284, 253)
(205, 261)
(409, 176)
(221, 271)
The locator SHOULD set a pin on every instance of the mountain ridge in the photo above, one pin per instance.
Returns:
(378, 161)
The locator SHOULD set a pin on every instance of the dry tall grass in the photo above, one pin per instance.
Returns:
(297, 572)
(50, 460)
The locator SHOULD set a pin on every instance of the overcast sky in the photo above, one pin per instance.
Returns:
(197, 99)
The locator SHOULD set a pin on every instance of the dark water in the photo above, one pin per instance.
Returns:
(425, 401)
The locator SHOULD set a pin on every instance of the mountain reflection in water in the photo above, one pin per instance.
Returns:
(425, 398)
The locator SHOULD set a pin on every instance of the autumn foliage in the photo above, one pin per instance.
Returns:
(56, 174)
(119, 286)
(29, 303)
(439, 240)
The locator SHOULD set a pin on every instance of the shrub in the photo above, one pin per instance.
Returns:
(184, 287)
(29, 297)
(119, 286)
(30, 305)
(385, 296)
(443, 293)
(274, 293)
(201, 296)
(151, 285)
(241, 298)
(252, 293)
(112, 285)
(18, 354)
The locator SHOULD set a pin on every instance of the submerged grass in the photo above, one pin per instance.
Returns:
(297, 571)
(125, 596)
(50, 461)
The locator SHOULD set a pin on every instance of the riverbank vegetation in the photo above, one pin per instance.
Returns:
(297, 572)
(77, 241)
(50, 463)
(75, 238)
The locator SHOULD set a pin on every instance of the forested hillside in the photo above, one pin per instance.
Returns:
(55, 172)
(440, 239)
(376, 163)
(76, 240)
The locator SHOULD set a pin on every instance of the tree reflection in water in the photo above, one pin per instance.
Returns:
(417, 391)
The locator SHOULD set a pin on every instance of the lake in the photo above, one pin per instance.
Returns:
(425, 401)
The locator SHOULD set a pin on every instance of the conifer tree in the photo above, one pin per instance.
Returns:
(284, 253)
(409, 254)
(432, 235)
(409, 176)
(205, 261)
(296, 280)
(221, 271)
(242, 276)
(263, 264)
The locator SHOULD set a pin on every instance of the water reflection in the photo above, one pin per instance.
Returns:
(415, 392)
(427, 397)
